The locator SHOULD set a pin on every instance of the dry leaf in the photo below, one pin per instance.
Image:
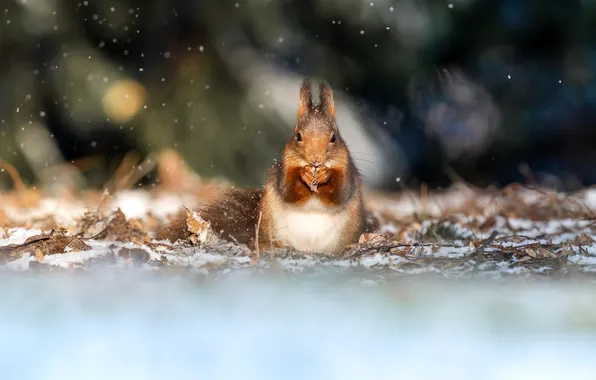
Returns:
(371, 238)
(199, 228)
(584, 239)
(546, 253)
(120, 229)
(530, 252)
(565, 251)
(39, 255)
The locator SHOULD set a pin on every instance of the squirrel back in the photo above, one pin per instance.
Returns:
(233, 216)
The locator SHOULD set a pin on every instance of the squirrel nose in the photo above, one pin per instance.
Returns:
(316, 164)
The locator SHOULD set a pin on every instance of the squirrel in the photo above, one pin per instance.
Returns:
(312, 200)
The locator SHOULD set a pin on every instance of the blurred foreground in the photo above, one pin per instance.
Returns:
(106, 325)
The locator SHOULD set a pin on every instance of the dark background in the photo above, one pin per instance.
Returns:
(490, 91)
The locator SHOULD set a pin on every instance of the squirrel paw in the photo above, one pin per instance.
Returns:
(322, 175)
(315, 176)
(307, 174)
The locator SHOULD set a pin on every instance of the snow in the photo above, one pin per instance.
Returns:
(582, 260)
(200, 260)
(203, 258)
(66, 260)
(449, 255)
(137, 204)
(64, 211)
(17, 235)
(21, 264)
(589, 199)
(133, 203)
(377, 259)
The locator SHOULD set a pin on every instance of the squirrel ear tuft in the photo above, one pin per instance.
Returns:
(305, 98)
(327, 103)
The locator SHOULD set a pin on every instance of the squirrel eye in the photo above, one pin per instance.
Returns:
(333, 138)
(298, 137)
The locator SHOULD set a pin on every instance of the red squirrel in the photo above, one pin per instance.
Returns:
(312, 200)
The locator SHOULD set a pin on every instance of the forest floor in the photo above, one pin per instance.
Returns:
(460, 232)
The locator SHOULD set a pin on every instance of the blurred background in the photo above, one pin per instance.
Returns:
(427, 91)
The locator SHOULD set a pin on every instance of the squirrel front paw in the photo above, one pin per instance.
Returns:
(307, 175)
(314, 176)
(322, 175)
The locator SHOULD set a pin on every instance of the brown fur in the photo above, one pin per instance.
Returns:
(315, 166)
(289, 183)
(235, 216)
(305, 102)
(327, 102)
(338, 183)
(175, 230)
(316, 124)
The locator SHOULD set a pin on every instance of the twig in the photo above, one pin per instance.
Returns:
(11, 247)
(443, 214)
(127, 166)
(437, 238)
(418, 244)
(127, 174)
(14, 175)
(409, 194)
(455, 178)
(257, 239)
(96, 235)
(485, 243)
(471, 228)
(36, 240)
(137, 172)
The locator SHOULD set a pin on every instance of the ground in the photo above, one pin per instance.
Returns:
(460, 232)
(425, 287)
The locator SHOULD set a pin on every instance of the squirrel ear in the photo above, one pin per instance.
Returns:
(305, 98)
(327, 103)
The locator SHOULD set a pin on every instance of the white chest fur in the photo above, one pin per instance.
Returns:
(311, 227)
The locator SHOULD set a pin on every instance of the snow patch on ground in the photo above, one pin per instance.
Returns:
(66, 260)
(62, 210)
(21, 264)
(445, 246)
(17, 235)
(138, 204)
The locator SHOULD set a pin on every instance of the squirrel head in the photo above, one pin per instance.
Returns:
(316, 140)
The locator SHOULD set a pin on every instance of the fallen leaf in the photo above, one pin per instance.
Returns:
(371, 238)
(530, 252)
(199, 228)
(546, 253)
(39, 255)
